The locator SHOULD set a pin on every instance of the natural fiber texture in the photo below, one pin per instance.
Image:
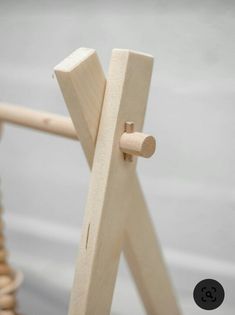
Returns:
(9, 279)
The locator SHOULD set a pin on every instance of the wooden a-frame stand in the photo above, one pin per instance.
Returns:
(116, 215)
(108, 117)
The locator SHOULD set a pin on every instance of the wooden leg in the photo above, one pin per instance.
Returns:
(145, 260)
(106, 211)
(140, 245)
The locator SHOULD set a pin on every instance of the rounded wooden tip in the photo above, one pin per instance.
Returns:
(148, 146)
(138, 143)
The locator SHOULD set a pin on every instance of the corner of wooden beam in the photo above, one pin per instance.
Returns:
(82, 82)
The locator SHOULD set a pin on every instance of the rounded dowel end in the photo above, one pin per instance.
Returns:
(138, 143)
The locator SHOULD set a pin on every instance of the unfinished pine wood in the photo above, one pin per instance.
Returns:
(145, 259)
(129, 128)
(141, 250)
(82, 83)
(106, 210)
(137, 143)
(39, 120)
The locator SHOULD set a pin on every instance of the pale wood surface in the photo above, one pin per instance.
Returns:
(107, 210)
(138, 143)
(43, 121)
(144, 257)
(142, 253)
(82, 83)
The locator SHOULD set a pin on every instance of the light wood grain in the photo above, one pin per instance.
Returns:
(142, 251)
(138, 144)
(39, 120)
(145, 260)
(82, 83)
(106, 211)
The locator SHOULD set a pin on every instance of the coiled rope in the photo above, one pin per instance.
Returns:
(10, 280)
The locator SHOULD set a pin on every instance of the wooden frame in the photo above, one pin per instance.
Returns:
(111, 224)
(108, 117)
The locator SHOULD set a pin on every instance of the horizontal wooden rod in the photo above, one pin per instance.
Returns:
(39, 120)
(136, 143)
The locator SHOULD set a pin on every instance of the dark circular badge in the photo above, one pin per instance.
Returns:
(208, 294)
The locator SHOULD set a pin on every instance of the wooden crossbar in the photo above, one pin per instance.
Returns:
(135, 143)
(38, 120)
(107, 116)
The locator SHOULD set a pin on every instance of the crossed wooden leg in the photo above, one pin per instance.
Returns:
(116, 215)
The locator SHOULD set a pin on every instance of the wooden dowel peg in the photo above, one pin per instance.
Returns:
(138, 143)
(131, 143)
(39, 120)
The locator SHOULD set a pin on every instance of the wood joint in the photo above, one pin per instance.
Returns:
(136, 143)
